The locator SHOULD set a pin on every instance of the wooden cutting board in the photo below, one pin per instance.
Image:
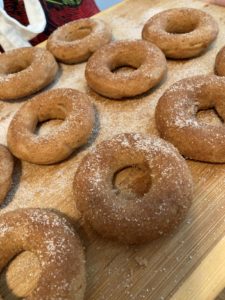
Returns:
(190, 264)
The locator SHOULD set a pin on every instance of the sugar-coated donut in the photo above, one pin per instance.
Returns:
(6, 170)
(131, 218)
(71, 106)
(220, 62)
(181, 32)
(25, 71)
(177, 122)
(147, 59)
(52, 239)
(75, 41)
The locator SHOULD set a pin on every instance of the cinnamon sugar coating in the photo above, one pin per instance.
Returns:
(220, 62)
(76, 41)
(25, 71)
(177, 122)
(181, 32)
(145, 58)
(59, 251)
(6, 170)
(133, 218)
(75, 110)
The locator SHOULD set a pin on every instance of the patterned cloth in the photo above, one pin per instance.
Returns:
(58, 12)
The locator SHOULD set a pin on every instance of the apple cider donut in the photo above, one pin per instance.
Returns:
(147, 60)
(6, 170)
(133, 218)
(59, 251)
(25, 71)
(75, 41)
(71, 106)
(220, 62)
(177, 122)
(181, 32)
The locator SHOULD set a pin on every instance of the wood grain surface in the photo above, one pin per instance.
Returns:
(189, 264)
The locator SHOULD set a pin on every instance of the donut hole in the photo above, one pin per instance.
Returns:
(132, 180)
(126, 62)
(20, 276)
(46, 127)
(77, 34)
(210, 117)
(181, 25)
(124, 69)
(49, 121)
(15, 67)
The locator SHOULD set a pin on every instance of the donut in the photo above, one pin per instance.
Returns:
(59, 251)
(220, 62)
(146, 59)
(25, 71)
(6, 170)
(71, 106)
(133, 217)
(75, 41)
(181, 32)
(177, 122)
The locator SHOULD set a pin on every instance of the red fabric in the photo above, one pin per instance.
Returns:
(56, 14)
(16, 10)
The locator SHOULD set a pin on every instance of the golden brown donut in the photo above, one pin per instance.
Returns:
(6, 170)
(25, 71)
(133, 218)
(181, 32)
(147, 60)
(71, 106)
(52, 239)
(220, 62)
(75, 41)
(176, 117)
